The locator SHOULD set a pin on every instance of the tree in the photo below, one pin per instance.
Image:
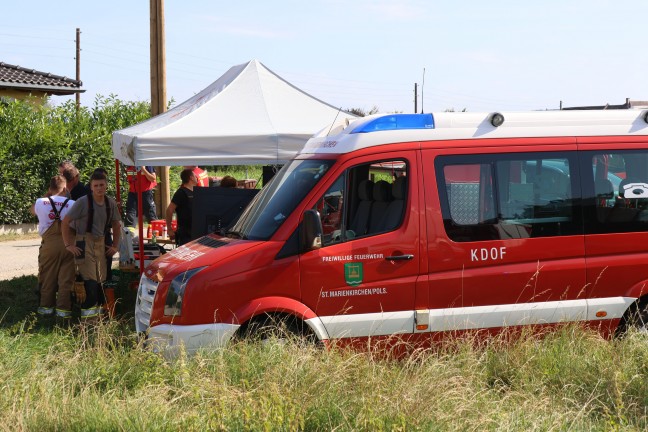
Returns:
(362, 113)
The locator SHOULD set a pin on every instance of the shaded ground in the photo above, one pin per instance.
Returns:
(19, 286)
(19, 299)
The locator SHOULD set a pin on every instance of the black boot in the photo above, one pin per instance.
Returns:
(62, 322)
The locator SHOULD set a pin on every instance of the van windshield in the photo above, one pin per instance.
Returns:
(276, 201)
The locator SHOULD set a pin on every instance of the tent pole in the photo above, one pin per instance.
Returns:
(140, 225)
(118, 186)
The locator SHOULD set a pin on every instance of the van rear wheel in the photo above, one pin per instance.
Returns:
(642, 317)
(638, 317)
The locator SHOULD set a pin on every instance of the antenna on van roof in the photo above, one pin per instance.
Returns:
(422, 89)
(333, 124)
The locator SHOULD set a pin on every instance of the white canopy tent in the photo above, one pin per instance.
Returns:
(250, 115)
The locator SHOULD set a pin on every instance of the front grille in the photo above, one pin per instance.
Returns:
(144, 304)
(211, 242)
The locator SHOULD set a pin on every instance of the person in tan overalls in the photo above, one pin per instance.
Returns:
(84, 230)
(55, 265)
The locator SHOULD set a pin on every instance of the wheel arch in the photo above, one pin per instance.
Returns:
(281, 306)
(638, 290)
(640, 293)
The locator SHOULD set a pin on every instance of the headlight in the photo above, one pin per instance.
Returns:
(176, 291)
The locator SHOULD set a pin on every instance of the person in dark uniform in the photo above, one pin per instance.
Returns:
(181, 204)
(75, 188)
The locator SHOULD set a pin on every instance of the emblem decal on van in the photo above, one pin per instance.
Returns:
(353, 273)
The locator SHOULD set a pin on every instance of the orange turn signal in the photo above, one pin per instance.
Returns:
(601, 314)
(421, 327)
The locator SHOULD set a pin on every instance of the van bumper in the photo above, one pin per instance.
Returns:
(170, 339)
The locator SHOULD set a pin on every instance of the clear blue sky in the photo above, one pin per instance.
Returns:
(479, 55)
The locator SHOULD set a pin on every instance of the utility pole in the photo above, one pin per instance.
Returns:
(78, 65)
(158, 91)
(415, 98)
(422, 89)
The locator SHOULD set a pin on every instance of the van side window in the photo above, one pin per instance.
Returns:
(365, 200)
(615, 185)
(505, 196)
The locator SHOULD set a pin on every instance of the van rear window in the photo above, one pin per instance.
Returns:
(615, 187)
(523, 195)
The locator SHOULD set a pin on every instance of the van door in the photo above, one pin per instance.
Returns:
(615, 187)
(362, 281)
(506, 247)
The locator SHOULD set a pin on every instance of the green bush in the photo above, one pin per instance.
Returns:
(34, 139)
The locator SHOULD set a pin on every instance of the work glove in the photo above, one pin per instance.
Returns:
(79, 291)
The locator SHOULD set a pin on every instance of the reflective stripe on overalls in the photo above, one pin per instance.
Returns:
(91, 312)
(63, 313)
(51, 311)
(44, 311)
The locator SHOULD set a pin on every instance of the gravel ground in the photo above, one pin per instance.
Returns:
(18, 258)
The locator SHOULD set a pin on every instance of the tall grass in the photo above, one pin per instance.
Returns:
(102, 378)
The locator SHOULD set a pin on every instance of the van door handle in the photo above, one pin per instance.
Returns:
(406, 257)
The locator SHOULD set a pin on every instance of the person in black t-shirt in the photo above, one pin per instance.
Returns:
(75, 188)
(181, 204)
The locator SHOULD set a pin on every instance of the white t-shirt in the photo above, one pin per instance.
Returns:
(43, 210)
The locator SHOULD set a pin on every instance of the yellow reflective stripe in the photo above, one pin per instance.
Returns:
(90, 312)
(45, 311)
(63, 313)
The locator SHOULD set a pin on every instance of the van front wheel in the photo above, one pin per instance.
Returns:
(280, 327)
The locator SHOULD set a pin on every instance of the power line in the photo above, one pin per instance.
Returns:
(36, 37)
(334, 87)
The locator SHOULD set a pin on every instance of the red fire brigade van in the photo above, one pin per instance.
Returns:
(416, 224)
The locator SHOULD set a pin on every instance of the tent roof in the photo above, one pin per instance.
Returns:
(250, 115)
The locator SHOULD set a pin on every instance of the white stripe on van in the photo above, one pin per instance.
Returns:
(466, 318)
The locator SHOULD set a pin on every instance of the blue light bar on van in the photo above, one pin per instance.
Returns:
(397, 122)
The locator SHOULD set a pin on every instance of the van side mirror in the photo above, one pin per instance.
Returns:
(310, 234)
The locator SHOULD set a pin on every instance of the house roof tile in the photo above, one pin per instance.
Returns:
(21, 78)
